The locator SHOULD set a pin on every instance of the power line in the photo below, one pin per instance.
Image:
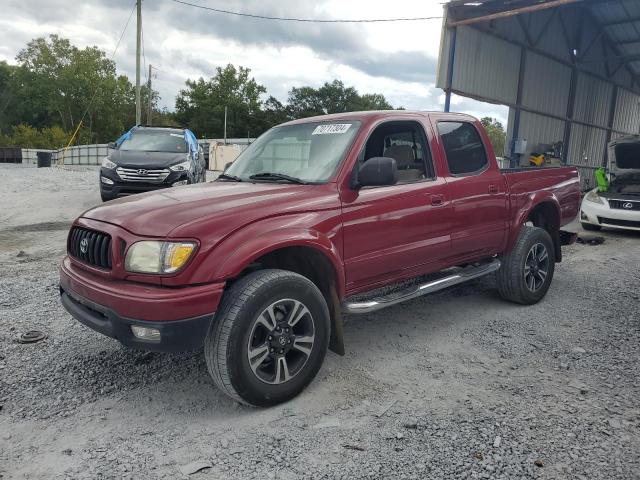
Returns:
(307, 20)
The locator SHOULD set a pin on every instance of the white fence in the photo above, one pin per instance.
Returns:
(79, 155)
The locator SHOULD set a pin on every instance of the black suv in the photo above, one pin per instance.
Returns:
(149, 158)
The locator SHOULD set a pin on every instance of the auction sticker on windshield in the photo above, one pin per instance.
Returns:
(331, 128)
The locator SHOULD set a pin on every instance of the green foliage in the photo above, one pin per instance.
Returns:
(201, 105)
(496, 134)
(54, 83)
(44, 96)
(26, 136)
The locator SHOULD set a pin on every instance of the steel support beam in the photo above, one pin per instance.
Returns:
(516, 11)
(452, 58)
(612, 114)
(515, 131)
(570, 106)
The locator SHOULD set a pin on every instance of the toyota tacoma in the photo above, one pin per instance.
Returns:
(342, 213)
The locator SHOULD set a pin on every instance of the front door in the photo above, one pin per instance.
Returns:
(402, 230)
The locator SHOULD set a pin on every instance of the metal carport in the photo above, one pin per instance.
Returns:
(569, 70)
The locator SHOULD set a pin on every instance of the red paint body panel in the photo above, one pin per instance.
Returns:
(141, 301)
(372, 236)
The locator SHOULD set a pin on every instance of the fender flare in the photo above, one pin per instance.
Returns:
(248, 244)
(532, 201)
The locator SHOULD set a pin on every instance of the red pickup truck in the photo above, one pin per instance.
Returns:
(340, 213)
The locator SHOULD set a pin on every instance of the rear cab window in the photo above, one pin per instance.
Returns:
(463, 148)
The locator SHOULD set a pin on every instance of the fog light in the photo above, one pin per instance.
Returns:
(146, 333)
(583, 216)
(106, 180)
(181, 182)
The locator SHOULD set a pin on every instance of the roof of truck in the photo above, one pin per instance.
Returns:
(371, 115)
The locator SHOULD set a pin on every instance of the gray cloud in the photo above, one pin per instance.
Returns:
(100, 22)
(339, 43)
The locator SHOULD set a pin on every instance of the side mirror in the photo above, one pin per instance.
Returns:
(111, 145)
(377, 171)
(227, 165)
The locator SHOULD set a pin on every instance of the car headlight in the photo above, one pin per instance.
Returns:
(181, 167)
(593, 196)
(106, 163)
(158, 257)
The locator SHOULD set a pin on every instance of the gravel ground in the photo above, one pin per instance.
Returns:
(459, 384)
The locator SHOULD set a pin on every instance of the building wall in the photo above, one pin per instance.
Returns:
(487, 66)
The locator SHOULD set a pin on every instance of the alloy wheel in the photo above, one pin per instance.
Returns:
(281, 341)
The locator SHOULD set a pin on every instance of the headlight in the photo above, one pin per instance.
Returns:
(181, 167)
(158, 257)
(106, 163)
(593, 196)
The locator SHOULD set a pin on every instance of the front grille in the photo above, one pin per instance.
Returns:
(91, 247)
(624, 204)
(618, 223)
(142, 174)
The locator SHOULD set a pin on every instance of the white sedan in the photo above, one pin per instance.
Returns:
(609, 210)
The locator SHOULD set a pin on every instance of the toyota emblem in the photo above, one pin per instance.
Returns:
(628, 205)
(84, 245)
(142, 171)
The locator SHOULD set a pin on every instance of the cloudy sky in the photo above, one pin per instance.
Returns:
(396, 59)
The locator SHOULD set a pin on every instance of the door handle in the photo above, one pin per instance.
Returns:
(493, 189)
(437, 200)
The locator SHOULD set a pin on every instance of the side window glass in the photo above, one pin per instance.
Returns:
(463, 147)
(405, 142)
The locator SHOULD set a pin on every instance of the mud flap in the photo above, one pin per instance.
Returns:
(336, 341)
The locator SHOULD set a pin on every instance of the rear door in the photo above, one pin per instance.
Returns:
(400, 230)
(477, 187)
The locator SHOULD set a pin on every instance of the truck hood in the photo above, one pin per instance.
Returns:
(220, 207)
(138, 159)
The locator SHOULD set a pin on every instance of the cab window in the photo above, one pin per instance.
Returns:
(463, 147)
(406, 143)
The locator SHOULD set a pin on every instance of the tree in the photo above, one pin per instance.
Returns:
(56, 82)
(201, 105)
(496, 134)
(332, 97)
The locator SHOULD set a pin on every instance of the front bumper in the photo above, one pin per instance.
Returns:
(605, 216)
(111, 307)
(175, 336)
(122, 188)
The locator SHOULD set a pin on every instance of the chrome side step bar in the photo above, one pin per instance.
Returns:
(463, 275)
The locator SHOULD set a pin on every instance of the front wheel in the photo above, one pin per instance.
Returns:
(269, 337)
(527, 270)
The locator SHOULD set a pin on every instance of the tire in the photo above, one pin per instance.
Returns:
(514, 279)
(106, 198)
(591, 227)
(243, 324)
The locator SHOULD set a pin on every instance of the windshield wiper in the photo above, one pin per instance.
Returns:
(229, 177)
(277, 176)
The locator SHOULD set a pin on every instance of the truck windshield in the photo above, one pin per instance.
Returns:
(155, 141)
(309, 152)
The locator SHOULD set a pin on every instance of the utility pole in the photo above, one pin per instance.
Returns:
(138, 42)
(150, 98)
(225, 125)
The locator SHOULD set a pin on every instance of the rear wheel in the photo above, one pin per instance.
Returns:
(527, 270)
(269, 337)
(591, 227)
